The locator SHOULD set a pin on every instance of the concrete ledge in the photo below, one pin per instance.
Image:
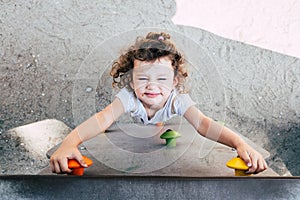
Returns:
(105, 187)
(24, 148)
(38, 137)
(116, 153)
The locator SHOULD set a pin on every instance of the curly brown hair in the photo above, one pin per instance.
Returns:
(152, 47)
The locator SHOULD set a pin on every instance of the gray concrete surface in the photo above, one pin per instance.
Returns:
(117, 153)
(62, 187)
(44, 45)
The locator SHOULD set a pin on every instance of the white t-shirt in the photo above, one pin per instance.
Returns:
(132, 105)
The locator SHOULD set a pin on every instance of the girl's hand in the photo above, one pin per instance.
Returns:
(253, 159)
(59, 159)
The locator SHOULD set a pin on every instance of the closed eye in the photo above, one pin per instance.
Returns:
(162, 79)
(142, 79)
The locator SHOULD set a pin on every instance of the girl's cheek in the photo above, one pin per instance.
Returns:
(167, 87)
(138, 92)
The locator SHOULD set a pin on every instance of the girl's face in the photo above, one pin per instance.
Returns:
(153, 82)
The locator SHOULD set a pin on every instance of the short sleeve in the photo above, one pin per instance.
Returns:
(182, 102)
(127, 98)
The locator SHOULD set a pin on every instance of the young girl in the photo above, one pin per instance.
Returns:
(151, 76)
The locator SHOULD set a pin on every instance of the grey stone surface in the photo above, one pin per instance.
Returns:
(44, 44)
(120, 152)
(58, 187)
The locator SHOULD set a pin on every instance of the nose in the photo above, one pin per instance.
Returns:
(151, 85)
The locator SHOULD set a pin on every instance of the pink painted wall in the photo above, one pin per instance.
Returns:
(269, 24)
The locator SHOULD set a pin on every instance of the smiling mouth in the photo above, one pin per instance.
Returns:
(152, 95)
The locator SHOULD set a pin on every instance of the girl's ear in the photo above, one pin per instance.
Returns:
(175, 81)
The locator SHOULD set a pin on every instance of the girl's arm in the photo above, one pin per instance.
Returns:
(217, 132)
(90, 128)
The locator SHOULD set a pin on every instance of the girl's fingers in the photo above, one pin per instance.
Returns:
(246, 157)
(64, 166)
(57, 168)
(80, 159)
(59, 165)
(258, 164)
(253, 168)
(51, 165)
(265, 165)
(262, 165)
